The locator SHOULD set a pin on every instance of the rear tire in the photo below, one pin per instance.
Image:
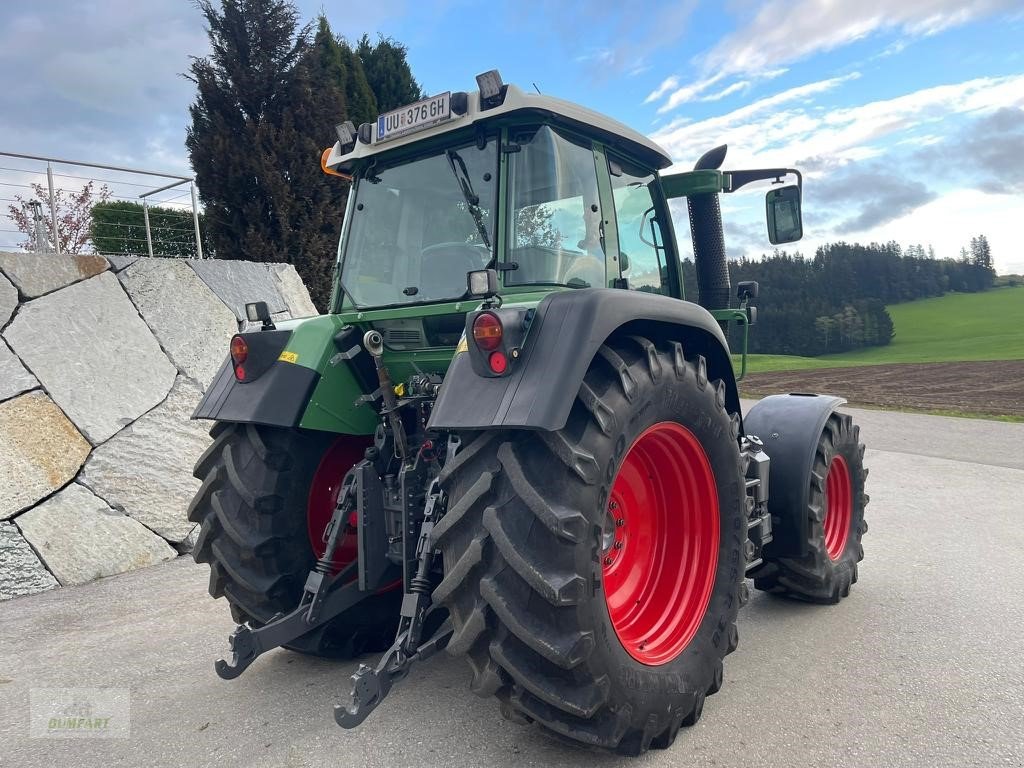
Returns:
(835, 522)
(252, 509)
(527, 538)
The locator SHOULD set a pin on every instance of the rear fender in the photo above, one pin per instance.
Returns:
(790, 427)
(566, 333)
(301, 377)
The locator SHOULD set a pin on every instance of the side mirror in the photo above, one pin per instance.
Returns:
(785, 223)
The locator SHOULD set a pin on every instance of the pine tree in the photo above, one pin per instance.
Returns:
(362, 104)
(268, 98)
(262, 116)
(388, 72)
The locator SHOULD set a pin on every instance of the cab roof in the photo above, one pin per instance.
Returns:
(610, 132)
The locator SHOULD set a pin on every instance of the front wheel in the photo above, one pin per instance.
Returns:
(834, 522)
(593, 574)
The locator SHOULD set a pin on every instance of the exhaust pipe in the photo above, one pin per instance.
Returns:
(713, 291)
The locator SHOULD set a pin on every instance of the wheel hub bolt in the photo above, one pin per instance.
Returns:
(620, 522)
(617, 545)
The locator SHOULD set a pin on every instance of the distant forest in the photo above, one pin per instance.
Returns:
(835, 301)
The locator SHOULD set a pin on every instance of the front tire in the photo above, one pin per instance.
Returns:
(550, 620)
(835, 522)
(261, 491)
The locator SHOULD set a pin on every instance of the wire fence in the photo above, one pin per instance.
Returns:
(50, 205)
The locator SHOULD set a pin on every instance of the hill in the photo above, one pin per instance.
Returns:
(956, 327)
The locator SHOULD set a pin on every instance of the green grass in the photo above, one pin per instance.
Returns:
(954, 327)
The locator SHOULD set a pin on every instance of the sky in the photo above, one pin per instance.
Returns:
(907, 119)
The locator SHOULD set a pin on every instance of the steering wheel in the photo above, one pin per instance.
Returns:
(449, 249)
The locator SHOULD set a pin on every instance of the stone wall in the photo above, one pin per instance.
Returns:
(102, 361)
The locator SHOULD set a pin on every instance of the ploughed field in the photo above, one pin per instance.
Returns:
(994, 388)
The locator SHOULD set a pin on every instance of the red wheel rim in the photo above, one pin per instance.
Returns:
(660, 546)
(838, 507)
(323, 495)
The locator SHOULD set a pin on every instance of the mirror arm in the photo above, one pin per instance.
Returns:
(737, 179)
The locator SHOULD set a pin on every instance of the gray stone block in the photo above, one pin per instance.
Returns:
(190, 322)
(238, 283)
(119, 261)
(80, 538)
(40, 451)
(186, 545)
(92, 352)
(39, 273)
(293, 290)
(146, 469)
(21, 572)
(14, 379)
(8, 300)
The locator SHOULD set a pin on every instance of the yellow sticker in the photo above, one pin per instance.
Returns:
(288, 357)
(463, 345)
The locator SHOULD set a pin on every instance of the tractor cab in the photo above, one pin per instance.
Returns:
(545, 193)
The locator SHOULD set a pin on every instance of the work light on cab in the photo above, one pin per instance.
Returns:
(487, 331)
(239, 354)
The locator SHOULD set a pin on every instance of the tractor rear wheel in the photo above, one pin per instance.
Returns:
(267, 495)
(593, 574)
(835, 522)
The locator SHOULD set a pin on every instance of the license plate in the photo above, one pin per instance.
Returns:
(414, 117)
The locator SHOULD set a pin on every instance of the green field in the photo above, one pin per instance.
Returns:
(954, 327)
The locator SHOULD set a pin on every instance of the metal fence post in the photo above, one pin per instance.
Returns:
(145, 215)
(195, 219)
(53, 208)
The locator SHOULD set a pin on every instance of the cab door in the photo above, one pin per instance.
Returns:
(647, 259)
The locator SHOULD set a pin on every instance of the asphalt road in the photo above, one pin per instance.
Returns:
(923, 665)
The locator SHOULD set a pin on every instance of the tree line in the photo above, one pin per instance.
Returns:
(835, 301)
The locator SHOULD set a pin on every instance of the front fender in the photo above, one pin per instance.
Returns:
(790, 427)
(568, 330)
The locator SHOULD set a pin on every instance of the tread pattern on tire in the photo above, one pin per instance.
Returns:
(508, 548)
(256, 542)
(816, 577)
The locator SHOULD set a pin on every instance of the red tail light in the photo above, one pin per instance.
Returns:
(487, 331)
(239, 354)
(498, 362)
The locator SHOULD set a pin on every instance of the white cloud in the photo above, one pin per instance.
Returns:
(666, 85)
(945, 192)
(689, 139)
(784, 31)
(785, 128)
(688, 93)
(736, 87)
(948, 223)
(694, 90)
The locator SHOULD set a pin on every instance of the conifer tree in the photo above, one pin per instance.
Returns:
(388, 72)
(268, 98)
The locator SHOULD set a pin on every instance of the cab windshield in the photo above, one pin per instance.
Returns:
(418, 227)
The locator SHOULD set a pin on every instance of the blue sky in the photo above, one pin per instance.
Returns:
(907, 119)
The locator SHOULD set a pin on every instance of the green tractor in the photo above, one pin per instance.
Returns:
(512, 438)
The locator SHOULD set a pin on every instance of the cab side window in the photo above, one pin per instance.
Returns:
(641, 240)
